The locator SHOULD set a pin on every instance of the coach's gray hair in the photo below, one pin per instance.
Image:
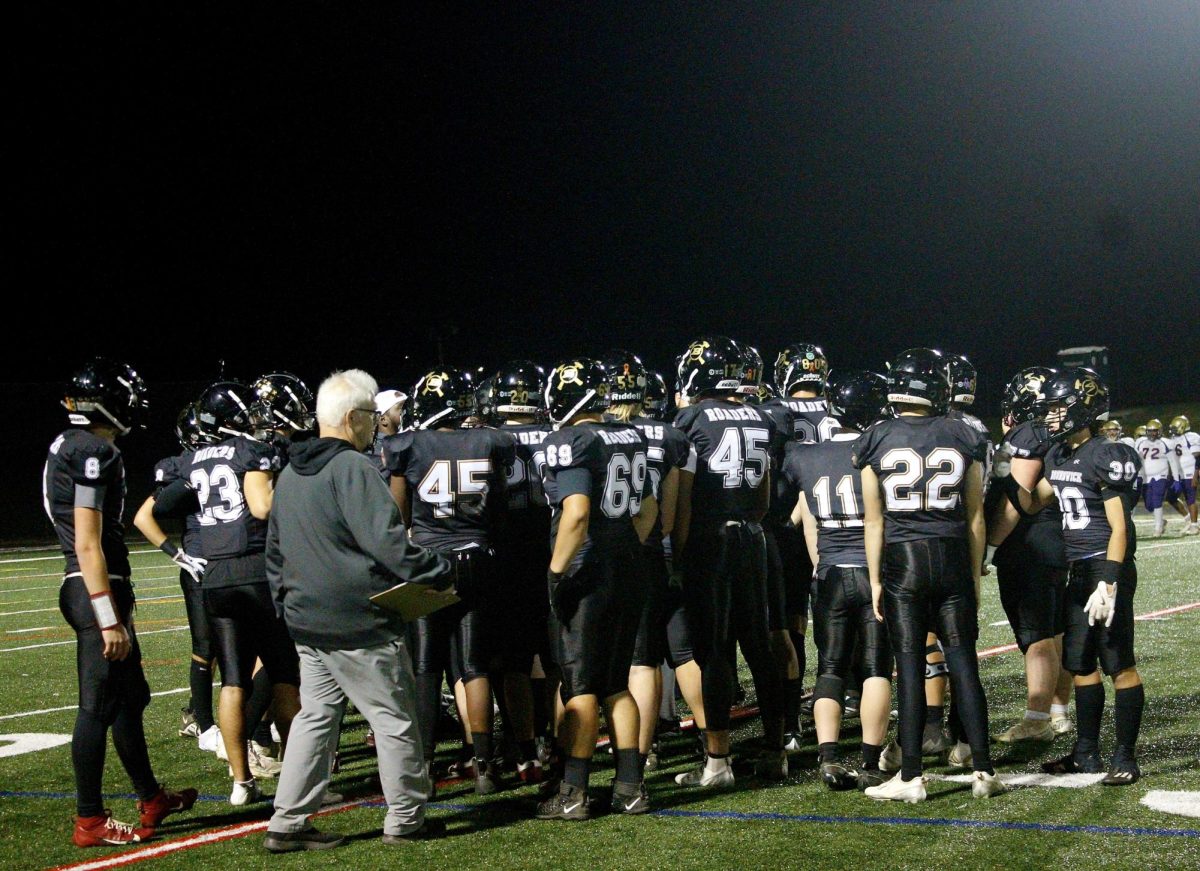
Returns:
(341, 392)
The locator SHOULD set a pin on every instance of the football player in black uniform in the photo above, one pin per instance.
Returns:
(598, 483)
(522, 553)
(922, 487)
(662, 631)
(83, 486)
(720, 550)
(198, 719)
(1092, 481)
(233, 481)
(1031, 562)
(830, 509)
(656, 406)
(449, 483)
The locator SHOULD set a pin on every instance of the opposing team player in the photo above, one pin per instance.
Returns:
(598, 483)
(84, 491)
(1186, 445)
(829, 508)
(1031, 563)
(449, 483)
(1159, 467)
(922, 487)
(719, 544)
(1091, 479)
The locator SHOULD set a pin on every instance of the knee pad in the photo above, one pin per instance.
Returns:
(936, 669)
(829, 686)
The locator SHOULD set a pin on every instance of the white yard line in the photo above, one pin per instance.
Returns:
(72, 641)
(42, 559)
(31, 629)
(173, 692)
(44, 610)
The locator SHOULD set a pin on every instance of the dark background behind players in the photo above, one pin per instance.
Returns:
(472, 168)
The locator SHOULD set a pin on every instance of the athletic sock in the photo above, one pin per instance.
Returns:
(258, 702)
(1036, 715)
(575, 772)
(262, 733)
(1059, 710)
(428, 707)
(801, 655)
(129, 737)
(793, 689)
(1127, 714)
(482, 742)
(827, 751)
(1089, 709)
(88, 743)
(716, 762)
(200, 684)
(629, 767)
(969, 705)
(870, 756)
(935, 715)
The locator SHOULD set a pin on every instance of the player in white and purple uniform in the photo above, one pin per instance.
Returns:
(1158, 464)
(1186, 446)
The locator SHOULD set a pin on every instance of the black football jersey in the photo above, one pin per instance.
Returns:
(979, 426)
(217, 474)
(667, 449)
(608, 462)
(166, 472)
(783, 494)
(811, 421)
(832, 487)
(1040, 535)
(922, 464)
(456, 481)
(1082, 480)
(86, 470)
(527, 526)
(733, 445)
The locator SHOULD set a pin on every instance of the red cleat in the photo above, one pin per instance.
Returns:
(530, 771)
(164, 803)
(104, 831)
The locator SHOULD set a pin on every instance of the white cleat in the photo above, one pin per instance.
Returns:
(1061, 725)
(1028, 730)
(210, 741)
(898, 789)
(260, 765)
(960, 755)
(245, 793)
(1191, 529)
(985, 785)
(891, 758)
(704, 776)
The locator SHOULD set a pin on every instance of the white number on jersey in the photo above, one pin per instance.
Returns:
(741, 455)
(224, 481)
(437, 487)
(902, 490)
(623, 485)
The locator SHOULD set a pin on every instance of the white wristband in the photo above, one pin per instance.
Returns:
(105, 610)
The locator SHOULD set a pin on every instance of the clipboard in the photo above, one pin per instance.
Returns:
(411, 601)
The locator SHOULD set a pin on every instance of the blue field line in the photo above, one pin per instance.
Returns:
(764, 816)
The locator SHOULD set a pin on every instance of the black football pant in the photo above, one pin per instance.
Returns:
(927, 587)
(725, 599)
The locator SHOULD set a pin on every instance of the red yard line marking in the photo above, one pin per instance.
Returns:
(213, 836)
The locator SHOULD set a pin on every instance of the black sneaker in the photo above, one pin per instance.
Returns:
(305, 839)
(838, 777)
(571, 803)
(429, 830)
(189, 728)
(868, 777)
(630, 798)
(850, 708)
(1122, 773)
(487, 778)
(1072, 764)
(652, 757)
(935, 740)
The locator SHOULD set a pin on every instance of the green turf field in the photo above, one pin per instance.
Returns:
(798, 823)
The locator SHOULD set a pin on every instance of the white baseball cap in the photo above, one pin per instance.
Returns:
(385, 399)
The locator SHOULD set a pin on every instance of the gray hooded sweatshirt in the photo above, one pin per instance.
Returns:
(335, 539)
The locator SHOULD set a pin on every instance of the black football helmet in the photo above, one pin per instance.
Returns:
(801, 366)
(485, 401)
(1016, 406)
(518, 388)
(442, 398)
(919, 377)
(765, 393)
(1071, 400)
(626, 377)
(656, 403)
(857, 398)
(283, 400)
(574, 387)
(963, 377)
(104, 392)
(226, 409)
(712, 364)
(751, 370)
(187, 428)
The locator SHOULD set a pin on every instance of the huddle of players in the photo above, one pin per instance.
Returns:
(1169, 468)
(886, 483)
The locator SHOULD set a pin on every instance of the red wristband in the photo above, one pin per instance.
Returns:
(105, 609)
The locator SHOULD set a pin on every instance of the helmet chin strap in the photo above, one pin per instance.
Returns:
(234, 432)
(426, 424)
(122, 429)
(587, 397)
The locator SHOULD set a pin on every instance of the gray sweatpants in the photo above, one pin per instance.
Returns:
(379, 680)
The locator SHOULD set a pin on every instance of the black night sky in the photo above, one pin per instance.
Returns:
(328, 185)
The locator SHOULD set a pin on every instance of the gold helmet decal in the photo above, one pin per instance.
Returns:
(433, 383)
(696, 351)
(1034, 384)
(568, 373)
(1088, 388)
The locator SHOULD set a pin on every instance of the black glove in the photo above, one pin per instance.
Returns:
(558, 585)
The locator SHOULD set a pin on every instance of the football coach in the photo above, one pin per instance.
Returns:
(335, 539)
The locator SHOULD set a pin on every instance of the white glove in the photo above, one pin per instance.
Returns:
(1100, 605)
(1001, 464)
(193, 565)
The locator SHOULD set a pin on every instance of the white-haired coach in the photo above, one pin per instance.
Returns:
(335, 539)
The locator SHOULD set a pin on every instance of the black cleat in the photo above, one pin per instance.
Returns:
(429, 830)
(487, 778)
(1122, 773)
(570, 803)
(838, 777)
(305, 839)
(630, 798)
(1071, 764)
(868, 777)
(935, 740)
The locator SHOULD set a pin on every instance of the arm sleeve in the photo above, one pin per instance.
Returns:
(373, 519)
(176, 501)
